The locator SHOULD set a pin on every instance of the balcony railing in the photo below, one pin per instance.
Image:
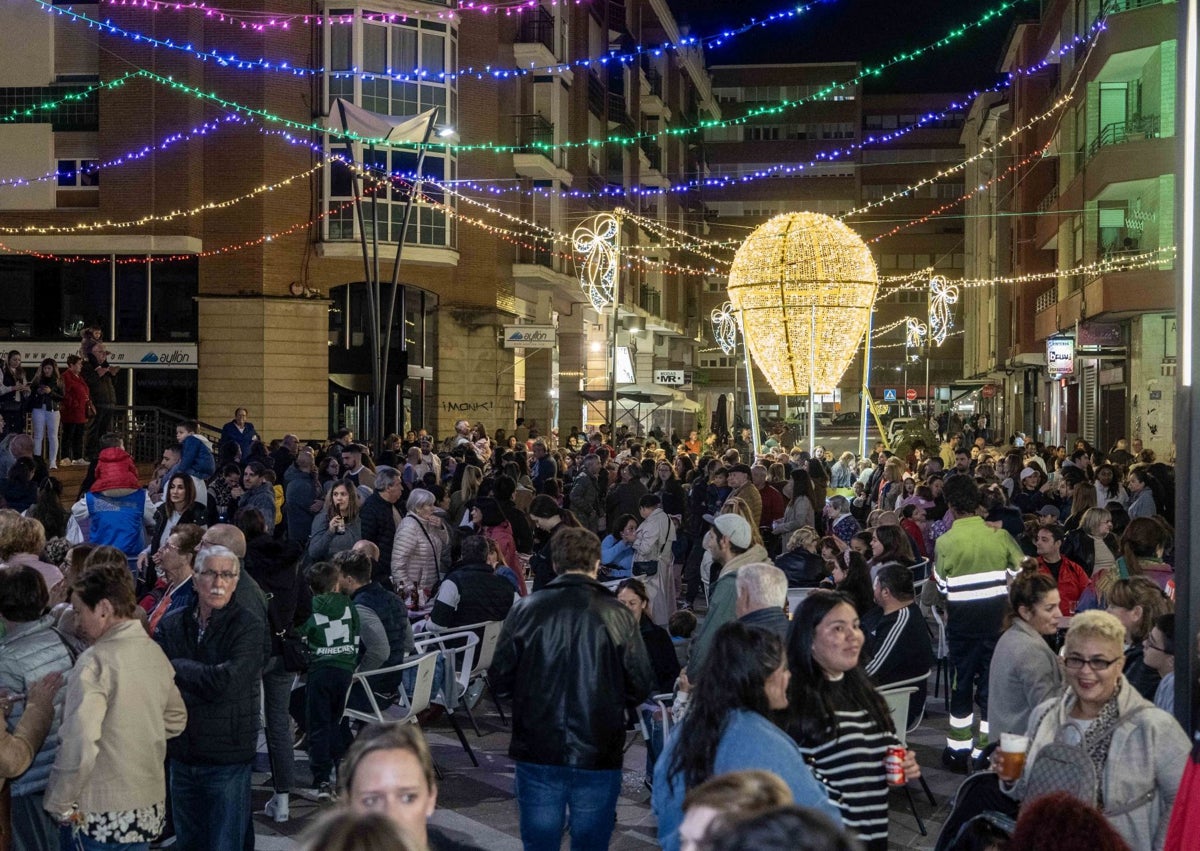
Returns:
(653, 152)
(1119, 132)
(651, 302)
(537, 28)
(534, 134)
(656, 82)
(595, 91)
(536, 255)
(1049, 201)
(1112, 7)
(1046, 300)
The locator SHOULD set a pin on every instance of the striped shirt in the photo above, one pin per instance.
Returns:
(974, 563)
(850, 764)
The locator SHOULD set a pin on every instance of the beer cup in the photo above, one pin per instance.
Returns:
(1010, 757)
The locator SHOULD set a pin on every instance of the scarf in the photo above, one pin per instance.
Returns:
(1098, 738)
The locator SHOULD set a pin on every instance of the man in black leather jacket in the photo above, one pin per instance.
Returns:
(572, 658)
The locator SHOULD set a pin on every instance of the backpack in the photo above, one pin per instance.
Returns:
(1064, 767)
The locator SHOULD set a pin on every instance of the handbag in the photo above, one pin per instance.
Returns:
(294, 651)
(649, 568)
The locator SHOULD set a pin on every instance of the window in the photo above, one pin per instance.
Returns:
(83, 174)
(426, 51)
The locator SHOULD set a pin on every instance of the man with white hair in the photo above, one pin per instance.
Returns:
(761, 594)
(217, 652)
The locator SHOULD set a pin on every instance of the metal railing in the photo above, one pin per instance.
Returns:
(1119, 132)
(537, 28)
(653, 152)
(1112, 7)
(655, 80)
(1046, 300)
(533, 133)
(536, 255)
(595, 93)
(651, 302)
(1049, 201)
(148, 430)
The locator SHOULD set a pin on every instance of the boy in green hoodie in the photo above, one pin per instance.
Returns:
(331, 633)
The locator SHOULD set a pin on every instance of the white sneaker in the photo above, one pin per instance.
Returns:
(277, 807)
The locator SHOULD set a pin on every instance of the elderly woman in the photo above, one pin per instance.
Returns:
(417, 551)
(1024, 670)
(108, 786)
(1092, 546)
(654, 558)
(801, 562)
(29, 651)
(22, 540)
(1136, 751)
(18, 748)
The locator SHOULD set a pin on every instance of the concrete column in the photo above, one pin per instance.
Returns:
(474, 373)
(572, 355)
(268, 355)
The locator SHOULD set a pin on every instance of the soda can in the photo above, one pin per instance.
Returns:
(893, 766)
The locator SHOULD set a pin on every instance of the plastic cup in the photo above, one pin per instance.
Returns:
(1010, 757)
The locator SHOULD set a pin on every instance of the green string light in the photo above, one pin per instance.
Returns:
(772, 109)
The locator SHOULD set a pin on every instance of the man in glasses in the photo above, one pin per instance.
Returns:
(217, 649)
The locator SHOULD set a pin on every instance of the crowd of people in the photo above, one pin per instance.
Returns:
(151, 631)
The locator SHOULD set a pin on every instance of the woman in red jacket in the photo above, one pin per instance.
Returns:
(74, 410)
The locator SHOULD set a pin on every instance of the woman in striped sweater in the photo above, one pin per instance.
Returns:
(834, 713)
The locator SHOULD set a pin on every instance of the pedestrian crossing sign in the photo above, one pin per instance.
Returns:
(889, 394)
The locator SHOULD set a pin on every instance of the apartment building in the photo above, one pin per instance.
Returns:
(262, 303)
(823, 156)
(1101, 197)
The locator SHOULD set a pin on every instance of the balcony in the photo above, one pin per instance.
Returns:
(651, 302)
(1113, 7)
(535, 156)
(537, 28)
(1046, 300)
(653, 152)
(1136, 129)
(1049, 201)
(595, 94)
(537, 267)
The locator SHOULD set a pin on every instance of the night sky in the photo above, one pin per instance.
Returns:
(869, 31)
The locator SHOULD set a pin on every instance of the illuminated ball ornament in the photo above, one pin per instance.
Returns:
(790, 265)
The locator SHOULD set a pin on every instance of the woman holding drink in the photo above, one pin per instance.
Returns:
(1024, 670)
(1135, 751)
(838, 718)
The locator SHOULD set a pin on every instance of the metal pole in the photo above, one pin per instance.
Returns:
(1187, 402)
(751, 395)
(373, 297)
(866, 383)
(928, 358)
(612, 402)
(385, 349)
(812, 368)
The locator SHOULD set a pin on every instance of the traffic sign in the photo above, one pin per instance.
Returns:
(911, 394)
(889, 394)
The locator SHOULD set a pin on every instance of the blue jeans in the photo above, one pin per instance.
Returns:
(545, 793)
(71, 841)
(211, 804)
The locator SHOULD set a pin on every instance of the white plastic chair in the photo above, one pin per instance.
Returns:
(921, 573)
(897, 700)
(457, 650)
(489, 637)
(796, 596)
(943, 657)
(382, 701)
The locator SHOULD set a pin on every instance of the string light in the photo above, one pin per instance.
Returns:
(165, 217)
(228, 59)
(915, 333)
(174, 258)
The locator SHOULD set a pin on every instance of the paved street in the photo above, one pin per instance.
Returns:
(479, 804)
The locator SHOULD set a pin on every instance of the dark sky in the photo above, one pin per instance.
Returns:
(870, 31)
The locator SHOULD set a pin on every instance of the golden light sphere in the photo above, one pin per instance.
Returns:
(788, 266)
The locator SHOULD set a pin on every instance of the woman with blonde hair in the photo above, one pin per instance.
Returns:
(1093, 546)
(1137, 603)
(727, 797)
(472, 478)
(1083, 498)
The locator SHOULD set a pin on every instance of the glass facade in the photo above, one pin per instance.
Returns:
(422, 53)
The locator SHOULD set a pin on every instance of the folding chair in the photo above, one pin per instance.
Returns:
(796, 596)
(489, 637)
(457, 650)
(382, 701)
(897, 701)
(920, 574)
(943, 658)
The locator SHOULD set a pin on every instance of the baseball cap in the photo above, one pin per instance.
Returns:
(1048, 511)
(1027, 472)
(735, 528)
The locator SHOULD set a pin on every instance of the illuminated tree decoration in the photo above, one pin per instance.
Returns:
(942, 295)
(801, 280)
(595, 239)
(915, 333)
(725, 327)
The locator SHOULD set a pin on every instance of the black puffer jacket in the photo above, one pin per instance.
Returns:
(378, 524)
(802, 568)
(274, 567)
(219, 680)
(573, 659)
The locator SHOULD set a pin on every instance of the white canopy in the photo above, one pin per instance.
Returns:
(374, 126)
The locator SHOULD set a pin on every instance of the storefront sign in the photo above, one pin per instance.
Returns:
(1104, 335)
(529, 336)
(1060, 356)
(670, 377)
(137, 355)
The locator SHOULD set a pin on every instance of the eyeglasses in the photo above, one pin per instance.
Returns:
(1096, 663)
(1150, 645)
(223, 575)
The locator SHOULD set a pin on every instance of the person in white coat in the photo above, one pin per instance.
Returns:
(655, 543)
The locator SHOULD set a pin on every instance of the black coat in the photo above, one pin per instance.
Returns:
(274, 566)
(219, 680)
(661, 650)
(802, 568)
(573, 659)
(378, 524)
